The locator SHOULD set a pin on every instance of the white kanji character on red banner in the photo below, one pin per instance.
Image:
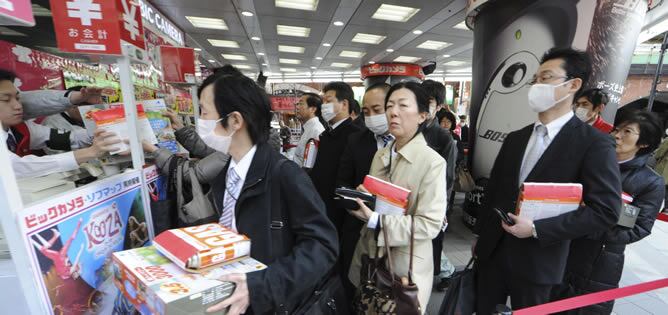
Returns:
(129, 21)
(88, 33)
(85, 10)
(102, 34)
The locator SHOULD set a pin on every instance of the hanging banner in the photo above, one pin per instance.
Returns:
(86, 26)
(71, 239)
(509, 41)
(178, 64)
(16, 12)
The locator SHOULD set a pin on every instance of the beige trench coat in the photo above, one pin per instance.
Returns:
(421, 170)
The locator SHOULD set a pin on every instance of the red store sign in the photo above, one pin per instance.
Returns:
(397, 69)
(97, 26)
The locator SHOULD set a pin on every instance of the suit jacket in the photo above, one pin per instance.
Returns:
(441, 141)
(324, 172)
(356, 159)
(300, 253)
(578, 154)
(420, 169)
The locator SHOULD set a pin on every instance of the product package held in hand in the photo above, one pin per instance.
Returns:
(545, 200)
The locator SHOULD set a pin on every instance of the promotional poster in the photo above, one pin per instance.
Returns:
(73, 236)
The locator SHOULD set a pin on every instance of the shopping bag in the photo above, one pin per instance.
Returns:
(463, 181)
(460, 297)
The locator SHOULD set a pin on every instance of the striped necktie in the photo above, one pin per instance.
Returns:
(11, 143)
(232, 188)
(386, 139)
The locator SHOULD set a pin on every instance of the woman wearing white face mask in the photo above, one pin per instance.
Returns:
(588, 108)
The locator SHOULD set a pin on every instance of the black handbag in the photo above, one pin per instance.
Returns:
(460, 298)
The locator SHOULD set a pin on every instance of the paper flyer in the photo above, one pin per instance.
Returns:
(71, 239)
(162, 127)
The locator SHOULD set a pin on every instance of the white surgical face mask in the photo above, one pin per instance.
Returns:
(328, 111)
(377, 124)
(541, 96)
(205, 129)
(582, 113)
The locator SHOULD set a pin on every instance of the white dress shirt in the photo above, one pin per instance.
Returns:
(241, 168)
(35, 166)
(553, 129)
(40, 134)
(312, 130)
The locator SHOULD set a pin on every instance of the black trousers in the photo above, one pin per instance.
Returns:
(437, 246)
(495, 283)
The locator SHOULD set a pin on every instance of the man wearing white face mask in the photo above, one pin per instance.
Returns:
(588, 107)
(356, 162)
(525, 260)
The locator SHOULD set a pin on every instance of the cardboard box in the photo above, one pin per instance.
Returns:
(391, 199)
(545, 200)
(154, 285)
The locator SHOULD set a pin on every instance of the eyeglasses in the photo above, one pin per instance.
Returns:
(626, 132)
(546, 78)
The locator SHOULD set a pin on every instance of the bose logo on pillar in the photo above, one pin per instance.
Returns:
(156, 19)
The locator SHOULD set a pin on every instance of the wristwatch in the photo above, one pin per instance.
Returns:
(533, 231)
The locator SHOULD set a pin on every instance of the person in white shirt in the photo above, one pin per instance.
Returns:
(22, 137)
(70, 119)
(308, 112)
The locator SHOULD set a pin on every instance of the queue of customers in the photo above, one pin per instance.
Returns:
(402, 134)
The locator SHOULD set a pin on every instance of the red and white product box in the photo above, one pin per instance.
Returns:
(155, 285)
(202, 246)
(545, 200)
(391, 199)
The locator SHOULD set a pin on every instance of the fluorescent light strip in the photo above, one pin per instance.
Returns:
(288, 70)
(307, 5)
(454, 63)
(433, 45)
(38, 10)
(341, 65)
(394, 13)
(289, 61)
(368, 38)
(204, 22)
(223, 43)
(242, 66)
(406, 59)
(234, 57)
(352, 54)
(291, 49)
(295, 31)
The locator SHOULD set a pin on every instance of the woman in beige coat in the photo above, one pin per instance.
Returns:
(411, 164)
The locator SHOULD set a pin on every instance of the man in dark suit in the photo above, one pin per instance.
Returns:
(525, 260)
(355, 165)
(336, 110)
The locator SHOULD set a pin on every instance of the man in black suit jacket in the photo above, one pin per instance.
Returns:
(525, 260)
(336, 111)
(355, 165)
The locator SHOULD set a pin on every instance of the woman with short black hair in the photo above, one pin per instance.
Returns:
(596, 264)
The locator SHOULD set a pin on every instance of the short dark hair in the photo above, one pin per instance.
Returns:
(576, 63)
(343, 92)
(6, 75)
(238, 93)
(381, 85)
(444, 113)
(597, 97)
(650, 129)
(435, 90)
(217, 73)
(356, 107)
(313, 100)
(421, 96)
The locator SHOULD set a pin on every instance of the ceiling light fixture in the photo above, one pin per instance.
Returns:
(314, 67)
(307, 5)
(417, 32)
(291, 49)
(394, 13)
(446, 56)
(351, 54)
(247, 13)
(233, 57)
(406, 59)
(295, 31)
(327, 44)
(454, 63)
(368, 38)
(389, 50)
(318, 58)
(204, 22)
(245, 67)
(289, 61)
(338, 23)
(223, 43)
(255, 38)
(211, 60)
(341, 65)
(38, 10)
(198, 49)
(372, 62)
(433, 45)
(264, 64)
(260, 54)
(288, 70)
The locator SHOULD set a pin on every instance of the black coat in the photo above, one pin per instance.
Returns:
(440, 140)
(299, 254)
(578, 154)
(596, 262)
(324, 172)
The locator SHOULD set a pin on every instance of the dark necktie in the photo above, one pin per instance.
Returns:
(386, 139)
(11, 142)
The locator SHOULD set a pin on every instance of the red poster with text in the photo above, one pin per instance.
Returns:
(87, 26)
(178, 64)
(130, 23)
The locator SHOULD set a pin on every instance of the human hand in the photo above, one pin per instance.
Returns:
(523, 227)
(87, 95)
(363, 213)
(362, 189)
(104, 142)
(148, 146)
(239, 300)
(174, 118)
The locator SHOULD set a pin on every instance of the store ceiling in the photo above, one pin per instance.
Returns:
(438, 20)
